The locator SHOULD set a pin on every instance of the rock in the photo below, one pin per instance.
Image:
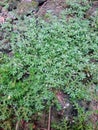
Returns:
(26, 6)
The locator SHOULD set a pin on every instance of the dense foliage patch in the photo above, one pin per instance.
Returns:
(59, 55)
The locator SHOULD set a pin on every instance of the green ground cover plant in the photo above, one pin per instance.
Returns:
(48, 56)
